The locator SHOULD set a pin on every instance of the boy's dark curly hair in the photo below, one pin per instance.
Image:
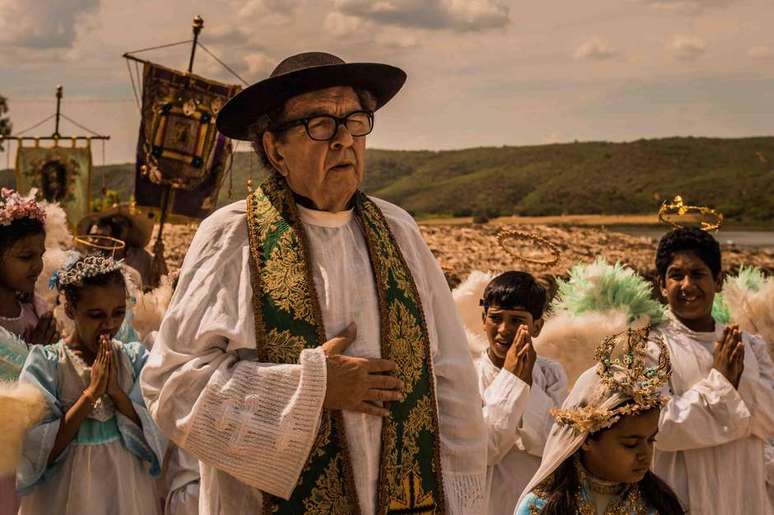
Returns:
(700, 242)
(516, 289)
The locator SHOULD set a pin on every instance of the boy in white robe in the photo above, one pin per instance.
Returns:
(710, 447)
(518, 387)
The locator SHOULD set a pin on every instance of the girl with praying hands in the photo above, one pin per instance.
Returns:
(97, 436)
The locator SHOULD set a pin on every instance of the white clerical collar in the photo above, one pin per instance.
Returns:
(324, 218)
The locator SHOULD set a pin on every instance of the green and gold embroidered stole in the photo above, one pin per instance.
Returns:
(288, 320)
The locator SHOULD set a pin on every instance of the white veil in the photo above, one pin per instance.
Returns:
(564, 440)
(623, 381)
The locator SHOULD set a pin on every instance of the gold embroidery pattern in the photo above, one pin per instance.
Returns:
(631, 503)
(285, 278)
(263, 210)
(389, 472)
(323, 436)
(418, 420)
(386, 251)
(328, 493)
(283, 347)
(412, 498)
(404, 350)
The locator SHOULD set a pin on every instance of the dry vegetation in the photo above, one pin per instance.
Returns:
(461, 248)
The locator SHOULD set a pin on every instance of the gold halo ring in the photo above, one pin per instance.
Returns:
(678, 214)
(513, 234)
(93, 243)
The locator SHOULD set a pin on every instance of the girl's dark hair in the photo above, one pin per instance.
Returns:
(72, 291)
(17, 230)
(561, 488)
(563, 485)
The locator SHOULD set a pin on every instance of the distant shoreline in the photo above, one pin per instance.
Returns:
(609, 221)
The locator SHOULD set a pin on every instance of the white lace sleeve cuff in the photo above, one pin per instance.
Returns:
(465, 494)
(258, 422)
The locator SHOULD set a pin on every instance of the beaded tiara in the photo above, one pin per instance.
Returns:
(15, 207)
(627, 376)
(79, 267)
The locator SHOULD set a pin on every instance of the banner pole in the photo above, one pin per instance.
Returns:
(159, 266)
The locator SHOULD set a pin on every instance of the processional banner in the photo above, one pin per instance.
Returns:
(179, 146)
(60, 174)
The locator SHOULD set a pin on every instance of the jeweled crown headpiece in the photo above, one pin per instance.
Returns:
(638, 386)
(679, 214)
(79, 267)
(15, 207)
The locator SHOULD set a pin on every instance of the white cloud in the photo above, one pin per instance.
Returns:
(227, 35)
(258, 65)
(685, 6)
(760, 52)
(341, 25)
(41, 24)
(687, 48)
(397, 38)
(459, 15)
(595, 49)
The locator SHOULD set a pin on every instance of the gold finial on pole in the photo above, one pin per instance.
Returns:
(198, 25)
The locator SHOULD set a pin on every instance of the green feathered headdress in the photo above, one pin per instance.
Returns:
(600, 287)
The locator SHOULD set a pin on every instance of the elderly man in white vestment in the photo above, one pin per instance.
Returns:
(712, 432)
(312, 357)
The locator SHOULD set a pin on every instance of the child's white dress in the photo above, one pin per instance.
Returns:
(109, 467)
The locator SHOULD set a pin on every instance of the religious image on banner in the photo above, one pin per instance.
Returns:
(179, 146)
(60, 174)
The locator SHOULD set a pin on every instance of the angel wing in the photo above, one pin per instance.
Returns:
(598, 300)
(467, 296)
(21, 406)
(151, 306)
(748, 300)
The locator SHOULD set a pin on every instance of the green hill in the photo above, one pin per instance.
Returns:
(735, 176)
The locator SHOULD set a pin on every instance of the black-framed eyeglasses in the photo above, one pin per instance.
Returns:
(323, 127)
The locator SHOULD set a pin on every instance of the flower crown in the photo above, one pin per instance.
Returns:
(628, 376)
(15, 207)
(79, 267)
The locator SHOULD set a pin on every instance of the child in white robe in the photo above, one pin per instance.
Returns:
(710, 447)
(518, 387)
(97, 450)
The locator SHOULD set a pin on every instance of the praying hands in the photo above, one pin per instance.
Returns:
(521, 356)
(729, 355)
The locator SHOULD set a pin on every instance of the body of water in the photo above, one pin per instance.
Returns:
(740, 238)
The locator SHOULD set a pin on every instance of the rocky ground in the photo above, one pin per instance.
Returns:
(461, 249)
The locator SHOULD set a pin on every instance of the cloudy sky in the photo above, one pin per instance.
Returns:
(481, 72)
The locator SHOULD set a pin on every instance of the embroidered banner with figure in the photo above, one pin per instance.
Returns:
(60, 173)
(179, 146)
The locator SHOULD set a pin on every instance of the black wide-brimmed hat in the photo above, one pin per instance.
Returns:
(300, 74)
